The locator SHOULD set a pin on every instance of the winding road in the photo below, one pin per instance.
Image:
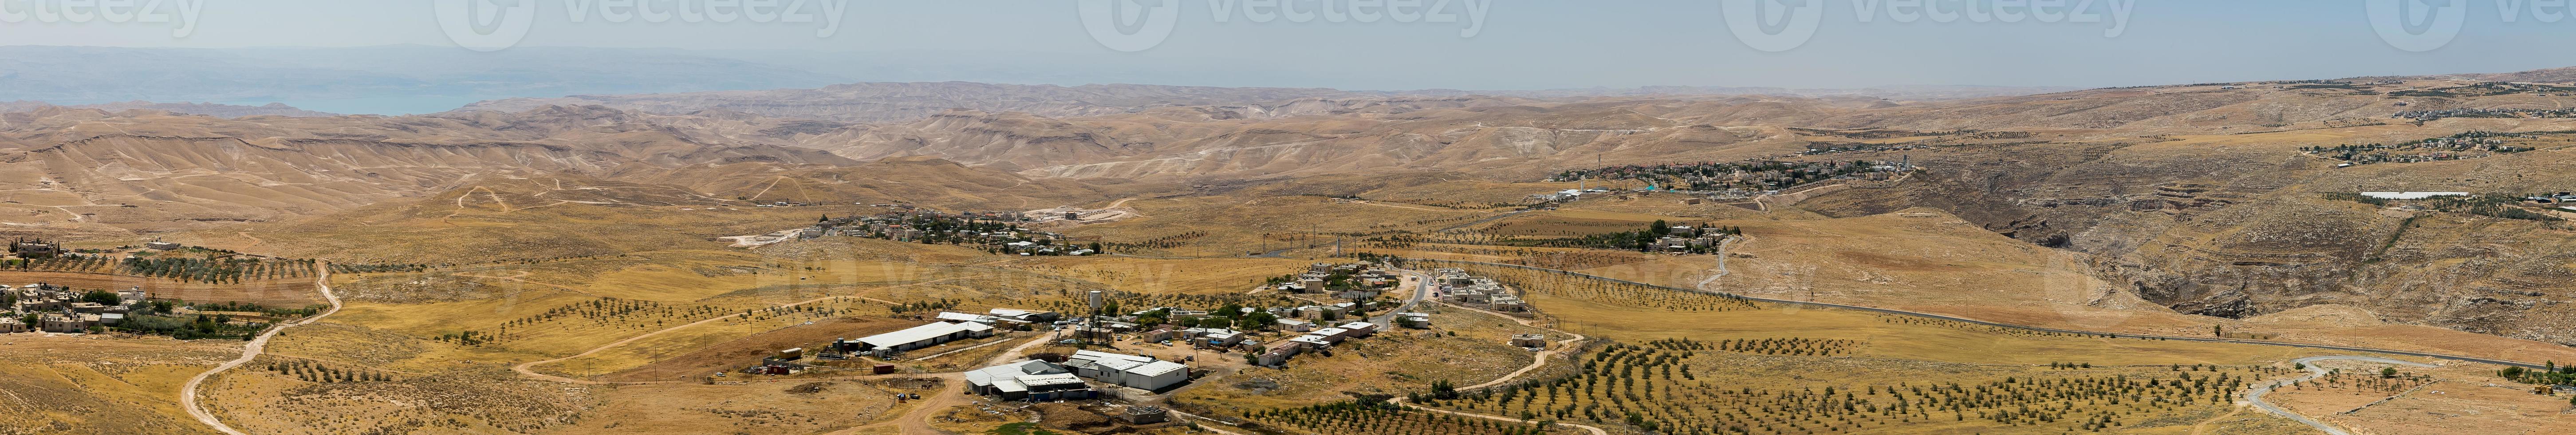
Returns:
(2255, 395)
(952, 393)
(188, 393)
(1721, 263)
(1562, 346)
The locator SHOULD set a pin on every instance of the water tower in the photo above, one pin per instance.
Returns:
(1090, 330)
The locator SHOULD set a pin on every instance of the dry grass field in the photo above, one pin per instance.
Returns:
(728, 344)
(1462, 348)
(2449, 399)
(1767, 370)
(1928, 261)
(774, 407)
(1239, 225)
(1688, 387)
(1575, 221)
(101, 384)
(1379, 418)
(1155, 276)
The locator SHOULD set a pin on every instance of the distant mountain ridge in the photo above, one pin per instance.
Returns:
(911, 101)
(91, 75)
(208, 109)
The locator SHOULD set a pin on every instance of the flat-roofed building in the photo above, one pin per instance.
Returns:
(1331, 335)
(951, 316)
(1134, 371)
(920, 337)
(1361, 329)
(1156, 375)
(1004, 380)
(1025, 316)
(1294, 325)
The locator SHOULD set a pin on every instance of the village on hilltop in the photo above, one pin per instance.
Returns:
(1139, 355)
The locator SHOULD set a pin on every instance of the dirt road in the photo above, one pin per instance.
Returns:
(952, 394)
(1562, 346)
(1722, 246)
(2255, 395)
(188, 393)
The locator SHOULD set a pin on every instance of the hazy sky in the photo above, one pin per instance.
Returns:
(1521, 44)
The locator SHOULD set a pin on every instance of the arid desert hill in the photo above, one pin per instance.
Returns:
(143, 170)
(2202, 198)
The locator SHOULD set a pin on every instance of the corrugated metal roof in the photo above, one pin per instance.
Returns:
(924, 332)
(1120, 364)
(1043, 380)
(1105, 356)
(1158, 368)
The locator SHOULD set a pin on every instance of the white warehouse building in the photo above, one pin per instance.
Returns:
(1132, 371)
(916, 337)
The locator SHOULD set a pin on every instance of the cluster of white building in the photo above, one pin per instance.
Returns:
(1457, 287)
(1318, 277)
(952, 326)
(1041, 380)
(1317, 340)
(60, 309)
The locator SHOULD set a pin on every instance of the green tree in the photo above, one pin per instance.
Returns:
(2387, 372)
(102, 297)
(1661, 228)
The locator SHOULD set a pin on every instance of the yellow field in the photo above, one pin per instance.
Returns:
(1395, 362)
(72, 384)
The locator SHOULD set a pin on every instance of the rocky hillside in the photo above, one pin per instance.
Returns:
(2241, 225)
(2195, 197)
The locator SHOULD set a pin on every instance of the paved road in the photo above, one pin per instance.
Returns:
(2256, 395)
(1721, 263)
(2014, 326)
(188, 393)
(1421, 290)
